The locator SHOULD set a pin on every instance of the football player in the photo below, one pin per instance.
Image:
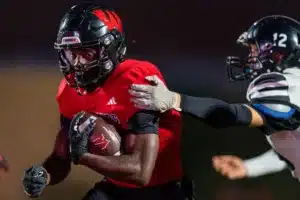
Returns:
(91, 48)
(273, 95)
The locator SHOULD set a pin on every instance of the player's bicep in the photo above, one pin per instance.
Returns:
(147, 146)
(144, 125)
(146, 149)
(256, 117)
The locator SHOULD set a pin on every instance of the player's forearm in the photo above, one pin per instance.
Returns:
(123, 168)
(266, 163)
(214, 112)
(57, 168)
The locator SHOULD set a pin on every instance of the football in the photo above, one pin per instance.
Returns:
(105, 139)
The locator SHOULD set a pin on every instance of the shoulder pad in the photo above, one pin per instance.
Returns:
(277, 111)
(269, 88)
(134, 75)
(141, 69)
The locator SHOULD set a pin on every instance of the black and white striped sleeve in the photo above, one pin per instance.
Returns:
(269, 88)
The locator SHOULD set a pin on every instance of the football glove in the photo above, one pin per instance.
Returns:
(35, 180)
(79, 138)
(153, 97)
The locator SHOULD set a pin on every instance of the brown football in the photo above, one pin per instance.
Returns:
(105, 139)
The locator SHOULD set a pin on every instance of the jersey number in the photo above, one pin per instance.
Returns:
(279, 39)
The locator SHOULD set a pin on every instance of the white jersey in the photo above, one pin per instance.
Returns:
(277, 97)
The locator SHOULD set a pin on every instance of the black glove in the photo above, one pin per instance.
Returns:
(79, 138)
(35, 180)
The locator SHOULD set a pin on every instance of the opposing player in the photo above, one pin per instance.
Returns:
(91, 48)
(273, 94)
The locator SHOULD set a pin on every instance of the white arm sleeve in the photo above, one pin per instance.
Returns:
(267, 163)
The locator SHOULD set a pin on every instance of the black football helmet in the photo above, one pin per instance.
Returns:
(90, 44)
(273, 45)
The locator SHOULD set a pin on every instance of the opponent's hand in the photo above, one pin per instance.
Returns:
(153, 97)
(35, 180)
(230, 166)
(79, 137)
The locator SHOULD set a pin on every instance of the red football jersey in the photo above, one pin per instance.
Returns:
(113, 100)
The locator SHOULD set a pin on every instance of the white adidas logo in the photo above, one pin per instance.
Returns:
(112, 101)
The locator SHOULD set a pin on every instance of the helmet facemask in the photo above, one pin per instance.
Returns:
(261, 58)
(86, 66)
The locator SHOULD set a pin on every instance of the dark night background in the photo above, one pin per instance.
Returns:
(188, 40)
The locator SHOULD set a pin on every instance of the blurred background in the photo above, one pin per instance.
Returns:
(188, 40)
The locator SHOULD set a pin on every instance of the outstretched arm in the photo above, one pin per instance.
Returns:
(234, 167)
(214, 112)
(220, 114)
